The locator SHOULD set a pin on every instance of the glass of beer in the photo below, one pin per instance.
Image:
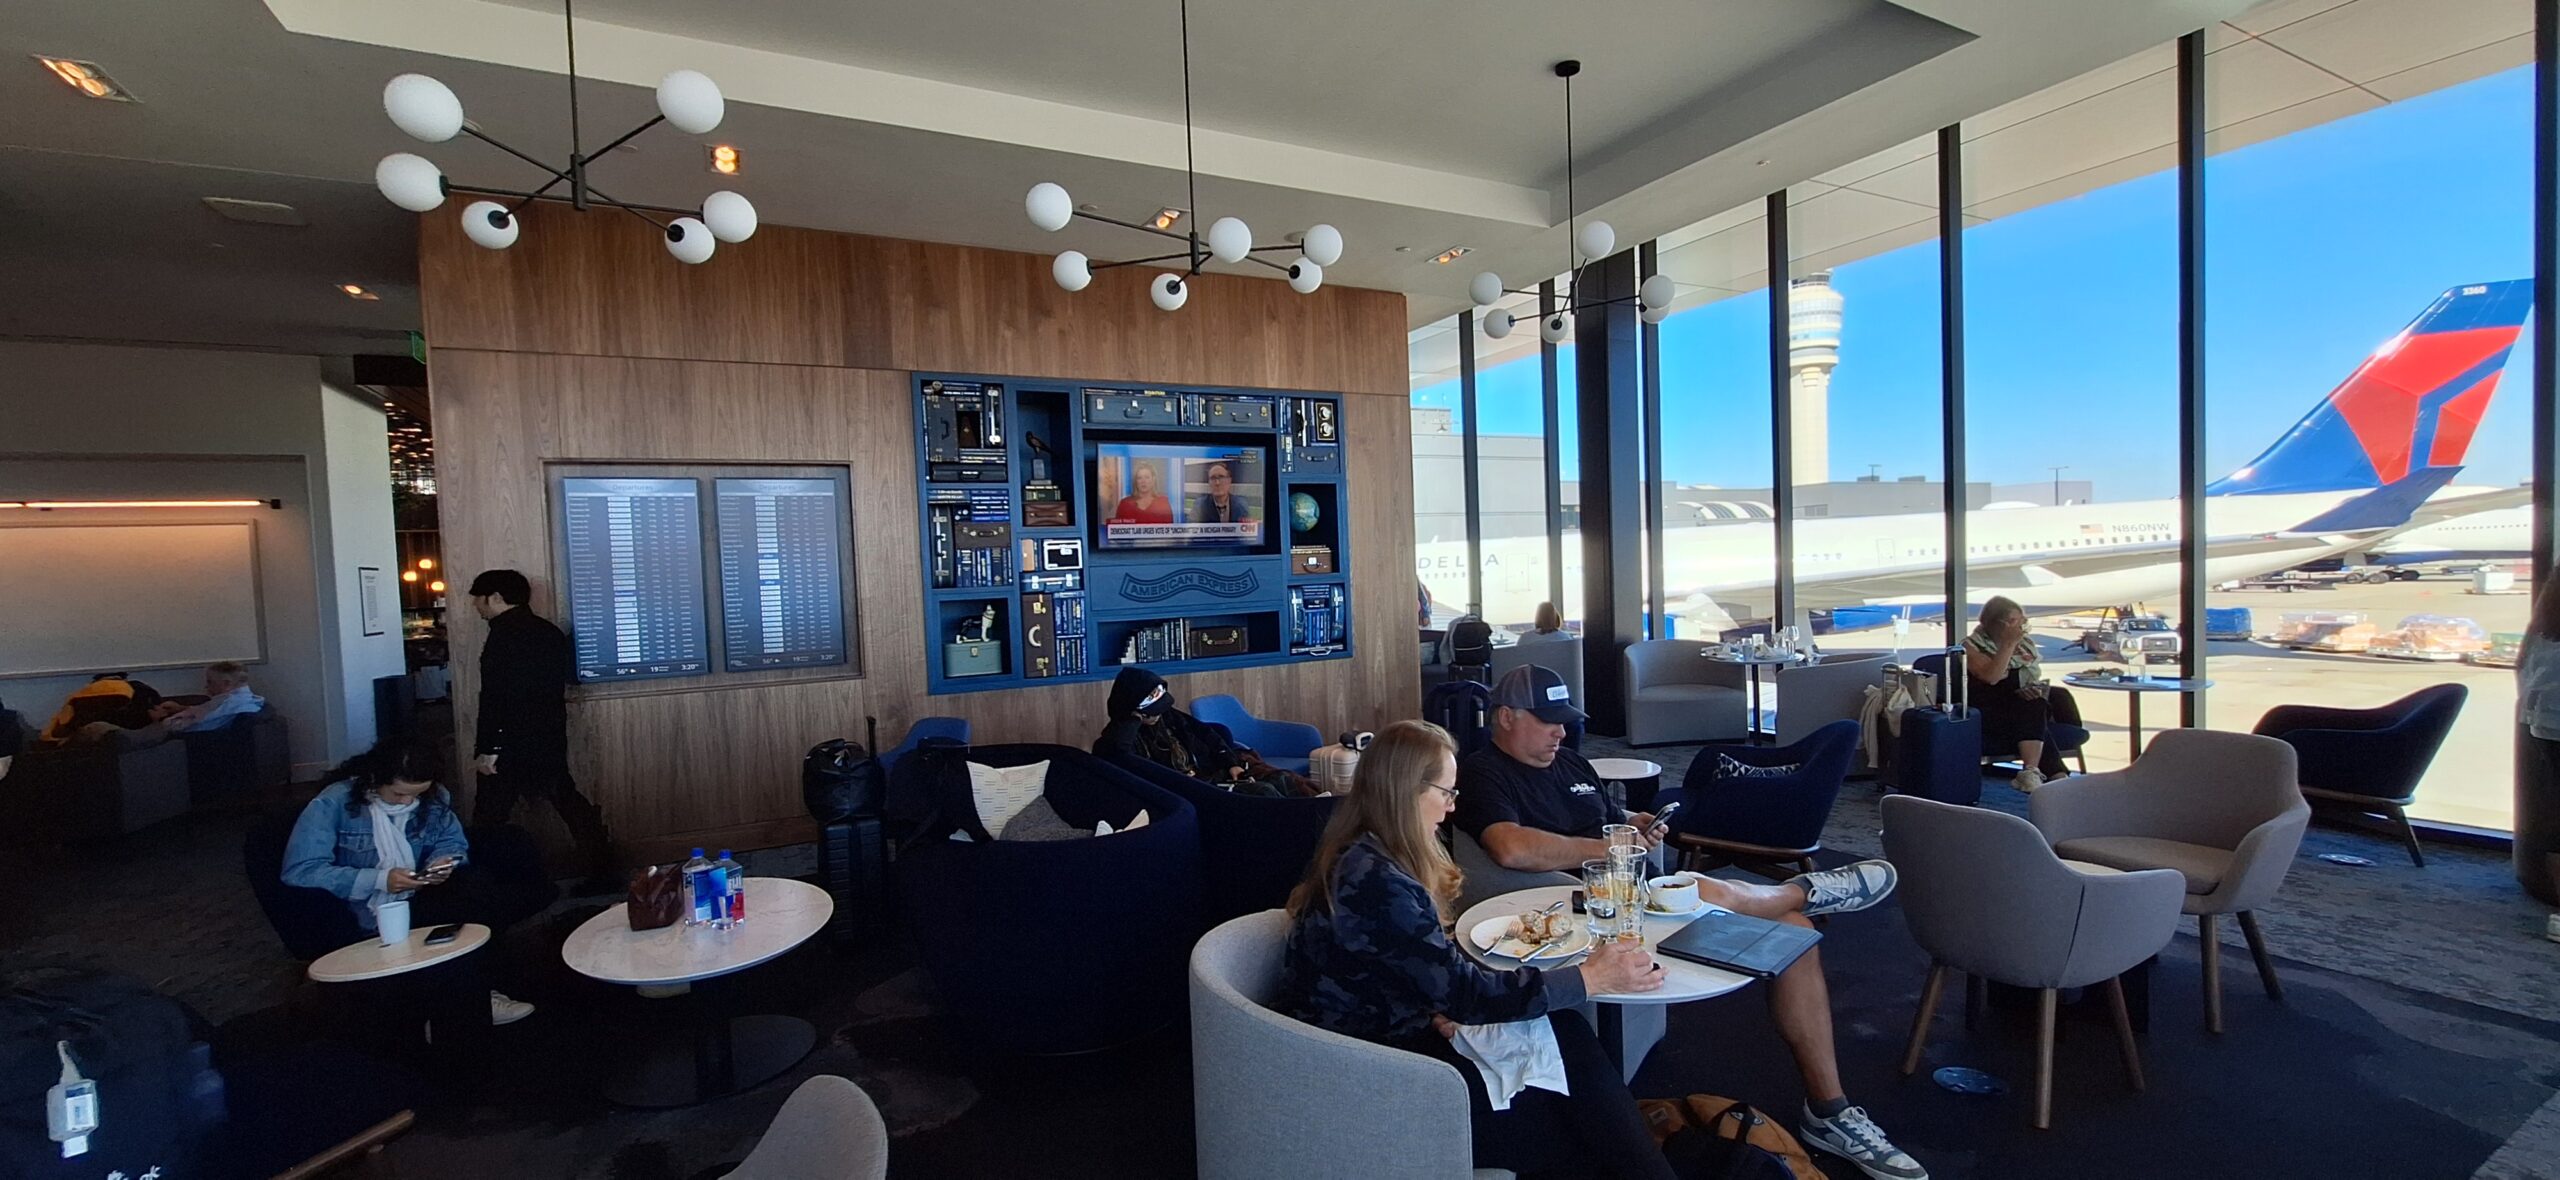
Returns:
(1603, 906)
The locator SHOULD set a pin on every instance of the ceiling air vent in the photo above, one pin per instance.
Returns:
(256, 212)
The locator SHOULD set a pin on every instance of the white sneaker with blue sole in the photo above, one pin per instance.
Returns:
(1854, 1137)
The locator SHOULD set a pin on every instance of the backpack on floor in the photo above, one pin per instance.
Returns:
(1709, 1137)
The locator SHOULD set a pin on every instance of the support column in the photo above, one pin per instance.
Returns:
(1555, 453)
(1609, 406)
(1782, 435)
(1951, 367)
(2191, 471)
(1467, 448)
(1649, 336)
(2537, 814)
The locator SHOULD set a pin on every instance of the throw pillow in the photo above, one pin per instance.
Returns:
(1728, 766)
(1104, 828)
(1002, 792)
(1041, 822)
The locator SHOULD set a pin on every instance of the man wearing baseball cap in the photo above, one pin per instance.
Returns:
(1536, 806)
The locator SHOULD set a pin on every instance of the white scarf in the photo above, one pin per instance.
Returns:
(391, 837)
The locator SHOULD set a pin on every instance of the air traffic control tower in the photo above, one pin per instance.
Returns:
(1813, 350)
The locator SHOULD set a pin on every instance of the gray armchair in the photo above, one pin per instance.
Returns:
(827, 1130)
(1985, 896)
(1484, 878)
(1275, 1099)
(2224, 809)
(1674, 694)
(1562, 656)
(1816, 695)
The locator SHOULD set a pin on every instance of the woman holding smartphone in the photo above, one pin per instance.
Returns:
(385, 832)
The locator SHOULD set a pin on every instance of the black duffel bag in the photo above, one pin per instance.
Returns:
(840, 779)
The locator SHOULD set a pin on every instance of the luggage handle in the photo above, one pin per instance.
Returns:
(1955, 686)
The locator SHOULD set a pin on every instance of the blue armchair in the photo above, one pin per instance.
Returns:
(1064, 946)
(1758, 823)
(1253, 848)
(2367, 762)
(1284, 744)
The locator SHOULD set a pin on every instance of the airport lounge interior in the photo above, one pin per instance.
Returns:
(633, 590)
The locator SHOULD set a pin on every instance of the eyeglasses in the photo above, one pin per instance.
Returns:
(1451, 792)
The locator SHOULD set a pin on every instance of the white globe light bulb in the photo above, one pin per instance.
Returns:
(1596, 239)
(690, 241)
(1305, 276)
(1552, 329)
(1655, 315)
(1323, 244)
(410, 182)
(1229, 240)
(1072, 270)
(1657, 291)
(423, 107)
(487, 223)
(1485, 289)
(732, 218)
(1169, 291)
(691, 101)
(1497, 323)
(1049, 206)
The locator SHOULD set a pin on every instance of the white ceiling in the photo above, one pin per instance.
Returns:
(2271, 70)
(1413, 126)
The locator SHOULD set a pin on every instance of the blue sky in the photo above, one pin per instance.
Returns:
(2320, 245)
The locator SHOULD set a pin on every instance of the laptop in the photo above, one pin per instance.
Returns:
(1739, 943)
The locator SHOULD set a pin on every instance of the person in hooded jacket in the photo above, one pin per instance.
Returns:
(1145, 725)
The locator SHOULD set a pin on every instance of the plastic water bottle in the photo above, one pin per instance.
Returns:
(734, 876)
(700, 890)
(718, 899)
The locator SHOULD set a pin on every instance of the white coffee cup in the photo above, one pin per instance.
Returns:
(391, 917)
(1675, 894)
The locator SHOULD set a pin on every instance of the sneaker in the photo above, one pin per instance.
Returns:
(2028, 780)
(504, 1010)
(1854, 1137)
(1847, 889)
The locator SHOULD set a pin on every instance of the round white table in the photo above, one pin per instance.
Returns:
(1751, 665)
(1627, 1038)
(370, 959)
(2133, 689)
(1627, 772)
(725, 1054)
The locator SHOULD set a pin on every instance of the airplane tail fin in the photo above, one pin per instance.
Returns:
(2385, 507)
(2411, 406)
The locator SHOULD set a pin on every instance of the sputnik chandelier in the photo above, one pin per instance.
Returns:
(1228, 239)
(429, 112)
(1591, 241)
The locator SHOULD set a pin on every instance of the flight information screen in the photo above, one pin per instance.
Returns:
(781, 573)
(634, 563)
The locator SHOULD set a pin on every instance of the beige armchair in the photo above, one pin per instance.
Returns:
(2224, 809)
(1674, 694)
(1811, 696)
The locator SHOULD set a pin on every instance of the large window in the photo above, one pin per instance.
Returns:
(2371, 198)
(1511, 477)
(1719, 556)
(2071, 338)
(1439, 469)
(1863, 391)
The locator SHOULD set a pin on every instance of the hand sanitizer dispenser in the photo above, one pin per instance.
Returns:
(71, 1107)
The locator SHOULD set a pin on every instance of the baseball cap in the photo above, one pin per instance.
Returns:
(1538, 690)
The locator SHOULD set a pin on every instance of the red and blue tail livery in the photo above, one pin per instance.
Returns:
(2408, 412)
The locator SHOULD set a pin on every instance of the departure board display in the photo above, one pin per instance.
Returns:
(634, 565)
(781, 573)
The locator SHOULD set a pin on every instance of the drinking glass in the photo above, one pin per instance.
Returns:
(1601, 903)
(1626, 883)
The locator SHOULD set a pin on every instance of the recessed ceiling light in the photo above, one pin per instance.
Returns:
(725, 160)
(1088, 207)
(352, 291)
(1404, 249)
(85, 77)
(1452, 254)
(1165, 217)
(257, 212)
(1759, 163)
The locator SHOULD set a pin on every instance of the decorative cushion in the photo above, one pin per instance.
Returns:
(2202, 866)
(1728, 766)
(1041, 822)
(1002, 793)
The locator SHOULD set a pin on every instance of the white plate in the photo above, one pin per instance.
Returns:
(1668, 916)
(1488, 938)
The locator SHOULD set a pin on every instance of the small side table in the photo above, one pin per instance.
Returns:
(454, 1001)
(2133, 690)
(1639, 779)
(1751, 666)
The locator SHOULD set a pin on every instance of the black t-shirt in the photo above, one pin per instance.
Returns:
(1564, 798)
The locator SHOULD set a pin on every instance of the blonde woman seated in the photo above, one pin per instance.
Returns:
(1370, 956)
(2018, 707)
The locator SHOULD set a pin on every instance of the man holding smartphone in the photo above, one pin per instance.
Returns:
(1536, 806)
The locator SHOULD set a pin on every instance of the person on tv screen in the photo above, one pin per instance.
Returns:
(1220, 504)
(1146, 505)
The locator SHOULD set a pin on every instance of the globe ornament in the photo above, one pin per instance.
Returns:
(1303, 513)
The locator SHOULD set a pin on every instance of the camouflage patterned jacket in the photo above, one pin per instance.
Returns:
(1379, 964)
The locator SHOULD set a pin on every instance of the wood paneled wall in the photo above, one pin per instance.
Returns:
(586, 342)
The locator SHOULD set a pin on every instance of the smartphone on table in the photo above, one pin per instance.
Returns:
(440, 935)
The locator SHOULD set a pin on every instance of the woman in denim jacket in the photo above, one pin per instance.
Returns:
(386, 831)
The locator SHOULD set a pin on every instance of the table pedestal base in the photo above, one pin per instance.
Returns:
(1629, 1031)
(728, 1057)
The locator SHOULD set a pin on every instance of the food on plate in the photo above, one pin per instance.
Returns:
(1541, 928)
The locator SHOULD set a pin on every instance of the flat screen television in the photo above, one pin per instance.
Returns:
(1180, 496)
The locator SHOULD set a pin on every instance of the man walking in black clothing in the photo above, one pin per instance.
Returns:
(523, 742)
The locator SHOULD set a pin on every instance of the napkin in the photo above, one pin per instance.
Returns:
(1513, 1056)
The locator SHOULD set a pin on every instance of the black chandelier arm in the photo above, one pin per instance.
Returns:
(524, 198)
(626, 137)
(1282, 267)
(1141, 227)
(475, 133)
(1140, 261)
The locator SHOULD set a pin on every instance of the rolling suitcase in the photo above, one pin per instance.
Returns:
(1334, 766)
(1938, 754)
(1464, 708)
